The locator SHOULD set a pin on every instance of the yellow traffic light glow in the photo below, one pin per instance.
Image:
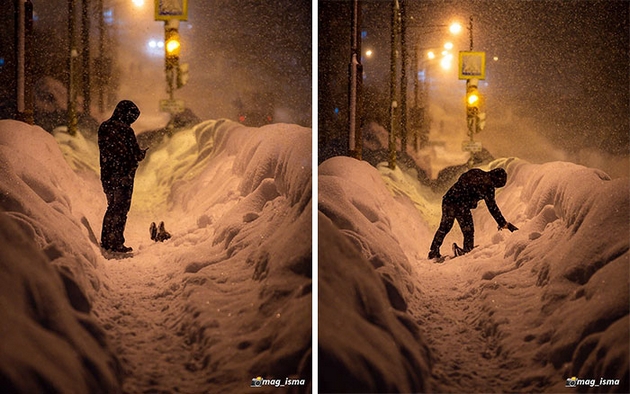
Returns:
(172, 43)
(473, 99)
(172, 46)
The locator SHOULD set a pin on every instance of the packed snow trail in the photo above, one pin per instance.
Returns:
(142, 321)
(225, 300)
(522, 312)
(152, 355)
(459, 325)
(189, 314)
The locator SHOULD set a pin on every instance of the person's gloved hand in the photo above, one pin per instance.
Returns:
(510, 227)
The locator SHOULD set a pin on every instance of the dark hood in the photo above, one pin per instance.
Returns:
(499, 177)
(126, 111)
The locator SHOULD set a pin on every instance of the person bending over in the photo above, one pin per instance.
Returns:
(471, 187)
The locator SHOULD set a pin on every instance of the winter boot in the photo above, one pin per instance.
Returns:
(153, 231)
(457, 251)
(434, 254)
(162, 234)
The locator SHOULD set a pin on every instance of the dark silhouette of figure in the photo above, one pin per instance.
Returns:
(119, 158)
(472, 186)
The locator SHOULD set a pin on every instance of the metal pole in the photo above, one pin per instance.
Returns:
(72, 112)
(85, 44)
(403, 77)
(355, 145)
(21, 36)
(470, 30)
(101, 57)
(471, 120)
(392, 85)
(24, 69)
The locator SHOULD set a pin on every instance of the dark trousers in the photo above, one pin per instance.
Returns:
(450, 213)
(118, 192)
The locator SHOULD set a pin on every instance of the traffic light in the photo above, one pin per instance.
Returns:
(472, 100)
(172, 47)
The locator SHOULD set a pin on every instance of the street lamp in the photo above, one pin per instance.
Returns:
(455, 28)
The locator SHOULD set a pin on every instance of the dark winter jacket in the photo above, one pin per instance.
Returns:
(475, 185)
(119, 149)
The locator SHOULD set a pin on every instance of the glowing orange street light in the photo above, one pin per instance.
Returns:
(455, 28)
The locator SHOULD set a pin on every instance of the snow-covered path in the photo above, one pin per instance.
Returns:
(227, 299)
(152, 353)
(522, 312)
(184, 314)
(456, 319)
(448, 322)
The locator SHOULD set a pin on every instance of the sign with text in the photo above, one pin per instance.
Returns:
(172, 106)
(171, 9)
(471, 146)
(472, 65)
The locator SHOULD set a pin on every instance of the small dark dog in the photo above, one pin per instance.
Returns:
(159, 233)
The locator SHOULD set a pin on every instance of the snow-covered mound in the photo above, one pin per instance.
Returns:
(524, 311)
(225, 300)
(50, 340)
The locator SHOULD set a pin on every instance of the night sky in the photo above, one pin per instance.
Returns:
(248, 50)
(564, 64)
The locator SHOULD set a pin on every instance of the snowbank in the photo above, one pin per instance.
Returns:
(50, 341)
(225, 300)
(523, 311)
(259, 254)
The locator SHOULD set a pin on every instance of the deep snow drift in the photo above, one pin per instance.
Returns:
(225, 300)
(522, 312)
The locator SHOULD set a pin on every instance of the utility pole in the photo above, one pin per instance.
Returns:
(395, 18)
(100, 65)
(470, 32)
(355, 138)
(85, 55)
(24, 70)
(73, 54)
(403, 76)
(473, 110)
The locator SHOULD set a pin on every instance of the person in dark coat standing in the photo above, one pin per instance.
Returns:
(119, 158)
(471, 187)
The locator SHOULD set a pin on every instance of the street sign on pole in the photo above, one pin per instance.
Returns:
(172, 106)
(471, 146)
(472, 65)
(171, 9)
